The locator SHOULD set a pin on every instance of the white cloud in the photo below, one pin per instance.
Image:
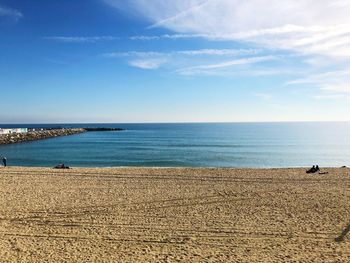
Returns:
(196, 52)
(308, 26)
(332, 84)
(134, 54)
(167, 36)
(219, 52)
(77, 39)
(200, 61)
(211, 69)
(147, 63)
(236, 62)
(9, 13)
(326, 77)
(317, 32)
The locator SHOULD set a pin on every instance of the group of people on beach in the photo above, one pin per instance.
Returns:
(4, 160)
(313, 169)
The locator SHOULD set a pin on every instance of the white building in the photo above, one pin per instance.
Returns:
(15, 130)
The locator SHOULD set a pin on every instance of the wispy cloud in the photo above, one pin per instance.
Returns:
(243, 61)
(322, 78)
(147, 63)
(191, 62)
(196, 52)
(192, 7)
(332, 84)
(78, 39)
(9, 13)
(166, 36)
(134, 54)
(219, 52)
(210, 69)
(309, 26)
(316, 32)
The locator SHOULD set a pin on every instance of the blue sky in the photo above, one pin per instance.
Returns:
(174, 61)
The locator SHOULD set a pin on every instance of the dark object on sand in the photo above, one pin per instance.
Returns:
(61, 166)
(343, 166)
(323, 173)
(313, 169)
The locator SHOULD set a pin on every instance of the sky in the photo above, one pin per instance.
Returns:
(123, 61)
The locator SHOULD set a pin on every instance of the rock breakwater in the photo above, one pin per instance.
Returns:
(37, 135)
(103, 129)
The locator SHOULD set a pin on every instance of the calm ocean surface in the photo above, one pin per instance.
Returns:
(193, 145)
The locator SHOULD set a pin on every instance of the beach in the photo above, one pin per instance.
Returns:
(174, 215)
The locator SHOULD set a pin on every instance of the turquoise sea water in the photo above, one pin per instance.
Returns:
(192, 145)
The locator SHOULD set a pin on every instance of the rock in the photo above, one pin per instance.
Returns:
(103, 129)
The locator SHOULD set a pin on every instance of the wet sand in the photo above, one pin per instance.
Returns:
(174, 215)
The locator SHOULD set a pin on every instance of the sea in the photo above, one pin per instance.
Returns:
(253, 145)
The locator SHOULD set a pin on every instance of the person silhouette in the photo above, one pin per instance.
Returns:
(4, 161)
(312, 170)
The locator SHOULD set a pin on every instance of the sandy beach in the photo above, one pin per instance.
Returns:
(174, 215)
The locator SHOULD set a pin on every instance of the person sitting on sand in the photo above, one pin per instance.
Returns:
(312, 170)
(61, 166)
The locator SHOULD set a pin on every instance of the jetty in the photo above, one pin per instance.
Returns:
(40, 134)
(102, 129)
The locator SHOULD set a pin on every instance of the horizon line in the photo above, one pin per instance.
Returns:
(184, 122)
